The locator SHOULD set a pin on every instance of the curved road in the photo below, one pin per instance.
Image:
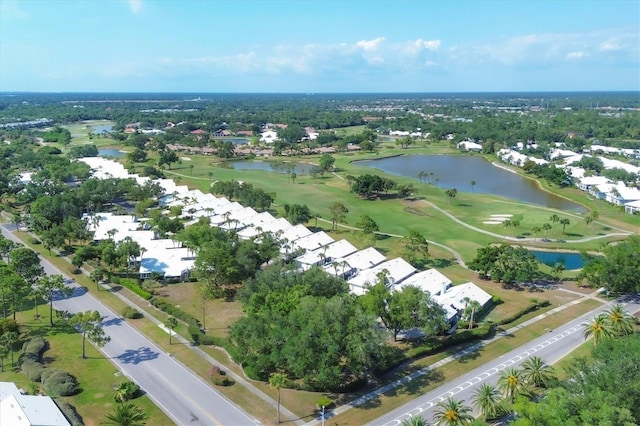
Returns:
(551, 347)
(182, 395)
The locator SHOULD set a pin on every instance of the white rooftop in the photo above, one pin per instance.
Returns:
(28, 410)
(364, 259)
(397, 270)
(431, 281)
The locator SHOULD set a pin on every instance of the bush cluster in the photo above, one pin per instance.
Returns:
(131, 313)
(58, 382)
(30, 360)
(219, 377)
(70, 413)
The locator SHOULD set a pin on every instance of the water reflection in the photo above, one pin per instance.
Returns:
(470, 174)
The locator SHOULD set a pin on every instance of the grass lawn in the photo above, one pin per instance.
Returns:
(96, 375)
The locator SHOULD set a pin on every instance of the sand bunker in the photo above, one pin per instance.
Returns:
(185, 158)
(500, 215)
(492, 222)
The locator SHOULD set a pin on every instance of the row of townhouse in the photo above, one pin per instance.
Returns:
(360, 268)
(600, 187)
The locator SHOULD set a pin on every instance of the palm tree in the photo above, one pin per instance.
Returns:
(278, 381)
(599, 328)
(535, 230)
(415, 420)
(474, 306)
(515, 224)
(546, 227)
(622, 324)
(451, 412)
(171, 323)
(486, 399)
(506, 223)
(536, 372)
(564, 222)
(554, 218)
(473, 183)
(126, 414)
(510, 383)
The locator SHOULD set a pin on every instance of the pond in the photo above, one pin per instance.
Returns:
(458, 171)
(102, 128)
(111, 153)
(570, 260)
(273, 166)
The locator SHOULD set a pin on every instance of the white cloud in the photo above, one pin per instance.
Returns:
(135, 6)
(576, 55)
(368, 45)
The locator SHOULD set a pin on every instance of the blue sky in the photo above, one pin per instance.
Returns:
(319, 45)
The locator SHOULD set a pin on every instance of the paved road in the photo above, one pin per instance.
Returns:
(182, 395)
(551, 347)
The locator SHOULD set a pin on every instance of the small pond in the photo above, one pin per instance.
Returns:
(570, 260)
(111, 153)
(273, 166)
(458, 171)
(102, 128)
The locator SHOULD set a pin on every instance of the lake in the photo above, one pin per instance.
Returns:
(570, 260)
(272, 166)
(102, 128)
(457, 171)
(111, 153)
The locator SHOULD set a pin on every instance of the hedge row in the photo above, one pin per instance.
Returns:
(55, 382)
(533, 306)
(70, 413)
(31, 357)
(174, 311)
(133, 286)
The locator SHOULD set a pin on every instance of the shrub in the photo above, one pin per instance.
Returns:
(324, 401)
(126, 391)
(219, 377)
(131, 313)
(34, 240)
(32, 368)
(35, 346)
(135, 288)
(60, 383)
(70, 413)
(174, 311)
(8, 325)
(207, 340)
(251, 373)
(497, 300)
(195, 333)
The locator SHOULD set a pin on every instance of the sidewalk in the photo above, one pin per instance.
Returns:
(386, 388)
(240, 380)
